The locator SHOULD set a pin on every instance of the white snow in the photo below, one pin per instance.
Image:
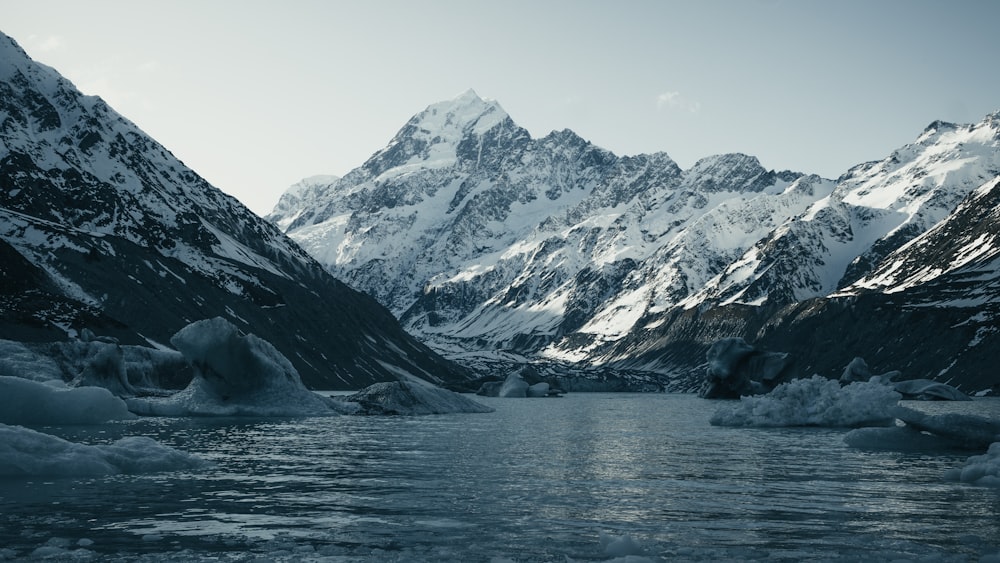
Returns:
(816, 401)
(27, 402)
(27, 453)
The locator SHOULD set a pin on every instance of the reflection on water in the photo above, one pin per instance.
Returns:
(538, 480)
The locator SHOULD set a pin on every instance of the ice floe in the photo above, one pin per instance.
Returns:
(28, 453)
(816, 401)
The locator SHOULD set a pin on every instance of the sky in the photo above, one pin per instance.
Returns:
(256, 95)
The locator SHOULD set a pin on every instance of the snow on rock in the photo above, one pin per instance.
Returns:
(981, 470)
(737, 369)
(27, 453)
(406, 398)
(816, 401)
(928, 390)
(236, 374)
(27, 402)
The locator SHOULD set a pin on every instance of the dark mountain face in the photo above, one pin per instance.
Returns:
(102, 228)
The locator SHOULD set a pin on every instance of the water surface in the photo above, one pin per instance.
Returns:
(538, 480)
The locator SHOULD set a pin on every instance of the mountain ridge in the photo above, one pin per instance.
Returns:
(123, 239)
(556, 250)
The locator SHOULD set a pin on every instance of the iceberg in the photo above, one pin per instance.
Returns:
(238, 374)
(538, 390)
(963, 430)
(405, 398)
(929, 390)
(816, 401)
(737, 369)
(19, 360)
(983, 470)
(28, 453)
(235, 374)
(514, 386)
(36, 403)
(858, 370)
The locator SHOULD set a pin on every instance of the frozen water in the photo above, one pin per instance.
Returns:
(18, 360)
(538, 390)
(514, 386)
(926, 389)
(979, 470)
(28, 453)
(736, 368)
(963, 430)
(816, 401)
(236, 374)
(240, 374)
(404, 398)
(36, 403)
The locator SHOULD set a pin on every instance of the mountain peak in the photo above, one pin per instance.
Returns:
(463, 114)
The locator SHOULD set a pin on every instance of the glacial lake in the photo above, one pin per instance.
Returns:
(538, 480)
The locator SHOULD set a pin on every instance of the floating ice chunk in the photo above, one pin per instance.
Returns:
(514, 386)
(929, 390)
(736, 368)
(963, 430)
(619, 546)
(32, 403)
(858, 370)
(235, 375)
(18, 360)
(404, 398)
(538, 390)
(816, 401)
(27, 453)
(97, 360)
(979, 469)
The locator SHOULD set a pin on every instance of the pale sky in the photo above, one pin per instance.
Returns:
(256, 95)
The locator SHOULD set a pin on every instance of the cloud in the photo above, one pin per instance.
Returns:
(148, 66)
(675, 101)
(50, 43)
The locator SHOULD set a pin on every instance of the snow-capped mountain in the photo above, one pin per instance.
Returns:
(103, 228)
(479, 237)
(487, 242)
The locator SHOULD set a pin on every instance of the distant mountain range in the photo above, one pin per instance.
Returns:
(496, 249)
(102, 228)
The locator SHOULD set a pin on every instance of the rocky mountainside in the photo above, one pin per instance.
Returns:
(494, 246)
(103, 228)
